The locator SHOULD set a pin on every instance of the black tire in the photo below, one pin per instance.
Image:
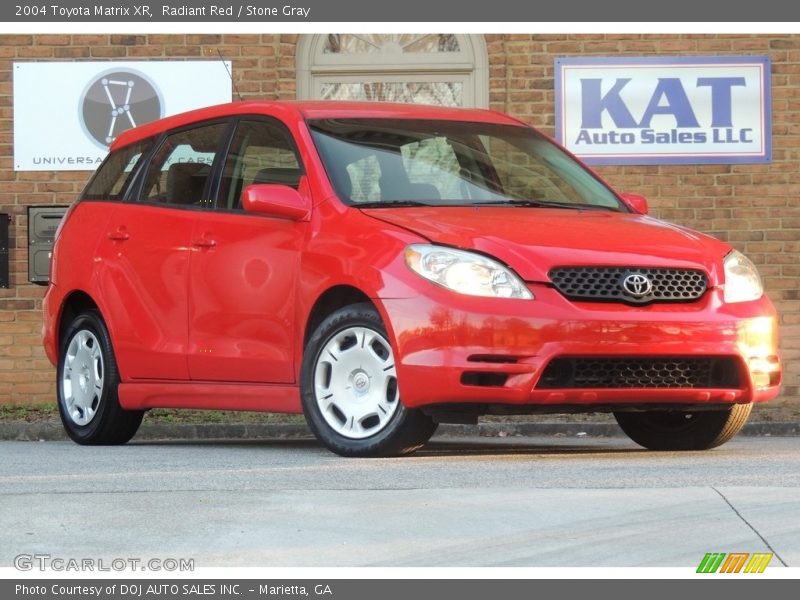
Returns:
(403, 433)
(683, 430)
(110, 424)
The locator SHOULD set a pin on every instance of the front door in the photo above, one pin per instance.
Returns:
(244, 267)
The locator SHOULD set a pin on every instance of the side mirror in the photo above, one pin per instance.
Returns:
(636, 203)
(273, 200)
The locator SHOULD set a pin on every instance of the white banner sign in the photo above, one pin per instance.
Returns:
(67, 113)
(698, 109)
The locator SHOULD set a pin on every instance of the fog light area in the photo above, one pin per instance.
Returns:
(758, 342)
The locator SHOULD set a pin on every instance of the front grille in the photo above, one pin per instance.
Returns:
(670, 372)
(608, 283)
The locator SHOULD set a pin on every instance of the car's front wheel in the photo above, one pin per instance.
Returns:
(683, 430)
(87, 385)
(350, 392)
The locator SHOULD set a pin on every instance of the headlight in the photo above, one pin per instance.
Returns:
(465, 272)
(742, 281)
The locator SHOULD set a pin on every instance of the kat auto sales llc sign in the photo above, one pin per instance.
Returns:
(665, 110)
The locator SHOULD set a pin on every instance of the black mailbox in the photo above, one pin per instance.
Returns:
(43, 222)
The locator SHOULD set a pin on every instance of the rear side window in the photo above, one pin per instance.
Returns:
(114, 176)
(180, 168)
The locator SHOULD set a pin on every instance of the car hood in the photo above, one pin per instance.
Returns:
(534, 240)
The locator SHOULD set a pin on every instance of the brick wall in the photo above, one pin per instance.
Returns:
(754, 207)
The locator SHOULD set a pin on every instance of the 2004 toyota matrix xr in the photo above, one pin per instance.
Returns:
(384, 268)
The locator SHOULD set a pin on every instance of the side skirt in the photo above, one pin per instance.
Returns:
(215, 396)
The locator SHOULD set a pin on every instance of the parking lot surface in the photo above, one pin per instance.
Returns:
(549, 501)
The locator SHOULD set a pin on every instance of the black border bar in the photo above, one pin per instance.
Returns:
(361, 11)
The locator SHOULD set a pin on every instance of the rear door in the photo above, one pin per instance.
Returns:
(147, 249)
(244, 267)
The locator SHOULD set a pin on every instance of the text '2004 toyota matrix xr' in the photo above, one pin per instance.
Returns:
(385, 268)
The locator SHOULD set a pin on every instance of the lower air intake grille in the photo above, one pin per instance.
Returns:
(640, 373)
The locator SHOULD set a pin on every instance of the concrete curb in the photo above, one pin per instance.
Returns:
(252, 431)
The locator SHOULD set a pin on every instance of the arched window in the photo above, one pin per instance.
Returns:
(425, 68)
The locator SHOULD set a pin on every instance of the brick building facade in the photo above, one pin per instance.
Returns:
(754, 207)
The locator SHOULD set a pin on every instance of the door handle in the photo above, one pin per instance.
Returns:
(204, 242)
(120, 235)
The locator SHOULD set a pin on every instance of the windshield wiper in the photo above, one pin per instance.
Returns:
(389, 203)
(543, 204)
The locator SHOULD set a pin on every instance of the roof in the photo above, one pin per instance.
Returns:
(319, 109)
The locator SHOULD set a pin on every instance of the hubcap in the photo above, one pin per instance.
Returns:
(355, 382)
(82, 377)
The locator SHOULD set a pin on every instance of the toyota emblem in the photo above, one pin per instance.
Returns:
(637, 285)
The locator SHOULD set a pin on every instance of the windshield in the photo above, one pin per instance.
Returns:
(391, 162)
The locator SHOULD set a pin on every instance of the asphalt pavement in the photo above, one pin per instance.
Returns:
(543, 501)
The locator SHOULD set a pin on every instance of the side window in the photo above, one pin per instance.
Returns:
(262, 152)
(115, 175)
(179, 171)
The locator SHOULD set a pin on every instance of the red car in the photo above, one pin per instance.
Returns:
(385, 268)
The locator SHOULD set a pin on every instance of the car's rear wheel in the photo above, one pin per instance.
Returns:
(350, 392)
(87, 383)
(683, 430)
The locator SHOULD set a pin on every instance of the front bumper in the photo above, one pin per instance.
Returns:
(453, 349)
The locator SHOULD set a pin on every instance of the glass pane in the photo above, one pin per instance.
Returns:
(261, 153)
(437, 42)
(433, 162)
(525, 175)
(365, 175)
(453, 163)
(180, 168)
(114, 175)
(443, 93)
(390, 43)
